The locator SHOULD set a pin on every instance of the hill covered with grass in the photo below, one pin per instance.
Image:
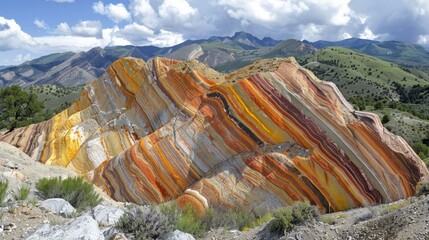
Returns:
(360, 75)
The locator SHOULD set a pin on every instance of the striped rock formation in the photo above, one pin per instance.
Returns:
(259, 138)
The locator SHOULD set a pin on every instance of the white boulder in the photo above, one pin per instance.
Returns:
(107, 216)
(82, 228)
(59, 206)
(179, 235)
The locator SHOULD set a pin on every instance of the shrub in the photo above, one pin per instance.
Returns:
(79, 193)
(385, 119)
(3, 190)
(286, 218)
(22, 194)
(188, 220)
(231, 219)
(328, 219)
(303, 211)
(385, 209)
(422, 189)
(146, 222)
(282, 221)
(259, 221)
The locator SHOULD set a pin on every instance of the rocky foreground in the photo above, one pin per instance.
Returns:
(54, 219)
(257, 139)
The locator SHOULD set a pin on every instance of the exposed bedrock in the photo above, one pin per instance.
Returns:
(259, 138)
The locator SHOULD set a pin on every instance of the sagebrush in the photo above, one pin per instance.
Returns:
(22, 193)
(3, 190)
(190, 221)
(78, 192)
(286, 218)
(147, 222)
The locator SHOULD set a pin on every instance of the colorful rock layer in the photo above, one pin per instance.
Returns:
(259, 138)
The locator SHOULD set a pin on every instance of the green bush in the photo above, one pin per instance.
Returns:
(385, 119)
(303, 211)
(259, 221)
(147, 222)
(188, 220)
(286, 218)
(78, 192)
(230, 219)
(421, 149)
(282, 220)
(22, 193)
(422, 189)
(3, 190)
(328, 219)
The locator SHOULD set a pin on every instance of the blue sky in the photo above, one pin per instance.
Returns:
(32, 28)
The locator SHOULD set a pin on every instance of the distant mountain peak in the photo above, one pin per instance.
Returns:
(242, 34)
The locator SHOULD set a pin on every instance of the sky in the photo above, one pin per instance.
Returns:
(33, 28)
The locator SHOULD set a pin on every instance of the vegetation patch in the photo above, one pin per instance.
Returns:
(391, 207)
(285, 219)
(18, 108)
(3, 190)
(22, 194)
(259, 221)
(328, 219)
(78, 192)
(147, 222)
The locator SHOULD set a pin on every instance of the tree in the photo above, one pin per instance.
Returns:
(18, 108)
(385, 119)
(361, 105)
(378, 105)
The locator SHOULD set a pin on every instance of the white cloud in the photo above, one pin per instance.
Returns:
(311, 32)
(63, 29)
(50, 44)
(422, 7)
(82, 28)
(40, 23)
(398, 20)
(263, 12)
(336, 12)
(12, 37)
(22, 58)
(111, 37)
(144, 13)
(177, 11)
(87, 28)
(368, 34)
(116, 12)
(135, 32)
(281, 13)
(166, 38)
(423, 39)
(168, 22)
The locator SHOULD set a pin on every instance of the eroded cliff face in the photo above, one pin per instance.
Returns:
(259, 138)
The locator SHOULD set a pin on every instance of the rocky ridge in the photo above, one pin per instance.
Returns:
(258, 139)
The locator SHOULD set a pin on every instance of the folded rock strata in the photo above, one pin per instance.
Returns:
(259, 138)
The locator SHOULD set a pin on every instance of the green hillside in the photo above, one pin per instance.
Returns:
(360, 75)
(289, 48)
(397, 52)
(54, 97)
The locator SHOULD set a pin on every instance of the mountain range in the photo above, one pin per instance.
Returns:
(221, 53)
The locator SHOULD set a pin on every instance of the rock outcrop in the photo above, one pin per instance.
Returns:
(83, 227)
(259, 138)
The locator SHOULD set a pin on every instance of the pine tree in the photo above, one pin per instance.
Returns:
(17, 107)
